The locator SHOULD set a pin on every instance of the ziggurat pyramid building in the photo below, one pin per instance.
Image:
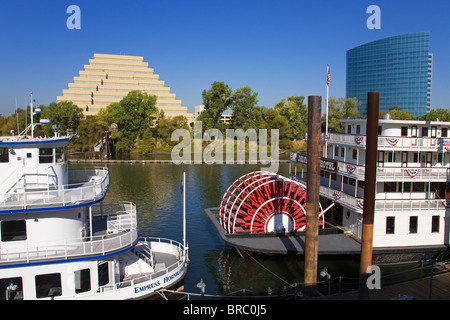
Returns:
(108, 78)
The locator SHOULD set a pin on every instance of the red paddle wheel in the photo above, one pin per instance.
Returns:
(264, 202)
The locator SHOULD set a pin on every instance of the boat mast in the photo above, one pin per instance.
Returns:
(31, 114)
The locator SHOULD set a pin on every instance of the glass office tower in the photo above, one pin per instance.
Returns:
(399, 68)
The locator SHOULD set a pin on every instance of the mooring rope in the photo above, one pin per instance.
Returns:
(273, 273)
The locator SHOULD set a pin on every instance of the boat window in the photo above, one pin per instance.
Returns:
(407, 187)
(59, 154)
(45, 155)
(390, 187)
(413, 224)
(82, 280)
(420, 186)
(404, 131)
(390, 225)
(433, 132)
(48, 285)
(14, 230)
(435, 224)
(103, 274)
(444, 132)
(11, 289)
(4, 155)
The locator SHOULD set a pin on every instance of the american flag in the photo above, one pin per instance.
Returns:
(328, 75)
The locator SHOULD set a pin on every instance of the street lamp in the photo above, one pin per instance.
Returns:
(431, 273)
(201, 285)
(324, 273)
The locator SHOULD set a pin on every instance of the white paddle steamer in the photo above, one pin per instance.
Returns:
(58, 240)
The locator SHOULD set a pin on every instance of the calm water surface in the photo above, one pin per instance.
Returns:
(155, 188)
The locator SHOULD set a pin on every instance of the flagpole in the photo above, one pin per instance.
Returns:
(184, 212)
(326, 116)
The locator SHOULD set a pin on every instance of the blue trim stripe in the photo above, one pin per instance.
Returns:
(51, 208)
(40, 263)
(31, 142)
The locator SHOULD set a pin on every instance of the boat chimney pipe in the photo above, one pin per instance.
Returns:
(369, 193)
(312, 195)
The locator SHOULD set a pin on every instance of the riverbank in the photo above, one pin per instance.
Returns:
(153, 161)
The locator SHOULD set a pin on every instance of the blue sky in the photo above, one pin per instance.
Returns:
(279, 48)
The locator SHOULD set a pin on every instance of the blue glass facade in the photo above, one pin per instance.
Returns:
(399, 68)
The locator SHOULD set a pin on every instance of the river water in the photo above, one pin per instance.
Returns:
(155, 188)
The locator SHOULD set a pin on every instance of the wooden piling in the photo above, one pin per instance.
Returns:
(369, 192)
(312, 196)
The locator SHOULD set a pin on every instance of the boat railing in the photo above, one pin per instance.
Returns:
(175, 248)
(111, 241)
(413, 170)
(398, 202)
(21, 178)
(92, 187)
(122, 221)
(410, 205)
(429, 143)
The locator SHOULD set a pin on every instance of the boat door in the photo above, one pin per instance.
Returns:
(381, 158)
(404, 158)
(429, 157)
(426, 160)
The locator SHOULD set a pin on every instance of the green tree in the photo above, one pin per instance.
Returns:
(246, 113)
(90, 130)
(130, 118)
(441, 114)
(342, 108)
(397, 114)
(65, 113)
(296, 114)
(274, 120)
(216, 101)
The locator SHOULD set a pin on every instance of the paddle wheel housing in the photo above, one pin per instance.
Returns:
(262, 201)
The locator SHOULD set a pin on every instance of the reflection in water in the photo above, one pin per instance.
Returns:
(155, 188)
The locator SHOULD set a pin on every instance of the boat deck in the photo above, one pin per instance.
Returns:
(331, 242)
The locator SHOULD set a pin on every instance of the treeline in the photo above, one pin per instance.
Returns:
(135, 125)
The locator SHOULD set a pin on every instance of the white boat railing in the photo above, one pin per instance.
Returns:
(389, 172)
(403, 203)
(121, 220)
(93, 186)
(409, 205)
(175, 248)
(64, 249)
(426, 143)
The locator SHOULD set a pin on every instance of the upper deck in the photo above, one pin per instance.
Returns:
(400, 135)
(34, 176)
(86, 186)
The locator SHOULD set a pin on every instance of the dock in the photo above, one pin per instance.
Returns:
(331, 241)
(145, 161)
(410, 290)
